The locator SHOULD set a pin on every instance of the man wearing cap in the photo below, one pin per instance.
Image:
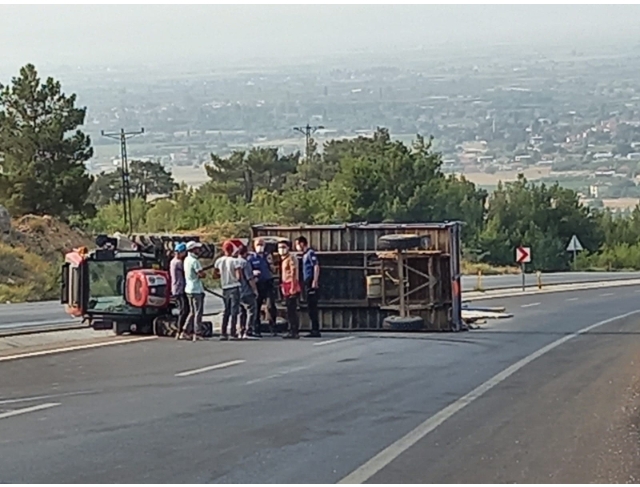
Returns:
(194, 289)
(229, 269)
(176, 270)
(261, 266)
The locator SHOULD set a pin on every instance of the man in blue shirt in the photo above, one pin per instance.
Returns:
(310, 275)
(259, 261)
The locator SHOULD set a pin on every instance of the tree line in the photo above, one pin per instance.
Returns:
(375, 179)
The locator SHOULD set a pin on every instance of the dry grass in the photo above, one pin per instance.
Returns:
(30, 257)
(25, 276)
(192, 176)
(469, 268)
(485, 179)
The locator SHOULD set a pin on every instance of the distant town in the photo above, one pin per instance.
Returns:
(566, 116)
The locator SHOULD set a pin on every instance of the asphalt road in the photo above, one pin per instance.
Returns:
(476, 406)
(50, 312)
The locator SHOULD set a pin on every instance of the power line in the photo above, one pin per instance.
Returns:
(307, 131)
(122, 136)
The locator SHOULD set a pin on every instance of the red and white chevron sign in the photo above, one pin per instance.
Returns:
(523, 255)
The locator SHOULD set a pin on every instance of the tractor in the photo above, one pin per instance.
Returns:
(124, 284)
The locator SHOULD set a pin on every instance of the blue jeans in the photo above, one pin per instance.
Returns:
(249, 306)
(231, 298)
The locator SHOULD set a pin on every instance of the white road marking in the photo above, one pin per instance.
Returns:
(606, 294)
(530, 305)
(40, 398)
(279, 374)
(32, 409)
(393, 451)
(223, 365)
(335, 340)
(74, 348)
(572, 299)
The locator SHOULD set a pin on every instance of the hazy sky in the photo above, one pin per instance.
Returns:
(110, 34)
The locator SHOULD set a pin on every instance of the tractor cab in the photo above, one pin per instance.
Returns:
(123, 284)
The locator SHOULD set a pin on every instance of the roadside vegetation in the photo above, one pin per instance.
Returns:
(45, 184)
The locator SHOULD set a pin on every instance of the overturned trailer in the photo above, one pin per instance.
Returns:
(383, 276)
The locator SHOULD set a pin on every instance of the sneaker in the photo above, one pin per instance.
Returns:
(224, 338)
(290, 336)
(316, 334)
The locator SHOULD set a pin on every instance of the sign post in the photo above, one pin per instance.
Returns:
(523, 256)
(574, 246)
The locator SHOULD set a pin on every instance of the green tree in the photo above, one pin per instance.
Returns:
(241, 174)
(541, 217)
(145, 178)
(148, 178)
(42, 151)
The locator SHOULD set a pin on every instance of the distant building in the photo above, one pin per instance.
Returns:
(525, 158)
(602, 155)
(633, 156)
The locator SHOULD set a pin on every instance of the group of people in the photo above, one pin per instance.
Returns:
(248, 282)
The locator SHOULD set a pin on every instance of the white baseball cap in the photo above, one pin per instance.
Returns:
(193, 245)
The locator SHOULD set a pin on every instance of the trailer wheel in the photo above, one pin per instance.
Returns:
(399, 242)
(398, 323)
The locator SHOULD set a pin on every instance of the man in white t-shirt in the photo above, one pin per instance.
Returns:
(229, 269)
(194, 289)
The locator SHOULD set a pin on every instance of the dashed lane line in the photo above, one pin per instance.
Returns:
(40, 398)
(606, 294)
(530, 305)
(51, 351)
(223, 365)
(393, 451)
(335, 340)
(277, 374)
(572, 299)
(32, 409)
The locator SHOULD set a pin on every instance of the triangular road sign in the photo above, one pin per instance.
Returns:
(574, 245)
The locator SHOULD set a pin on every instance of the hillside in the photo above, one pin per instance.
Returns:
(31, 251)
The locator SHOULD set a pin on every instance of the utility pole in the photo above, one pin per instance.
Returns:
(122, 136)
(307, 131)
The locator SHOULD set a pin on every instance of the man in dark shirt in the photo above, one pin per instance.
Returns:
(310, 274)
(266, 291)
(248, 294)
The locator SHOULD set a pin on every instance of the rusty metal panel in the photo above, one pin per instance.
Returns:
(370, 319)
(342, 277)
(347, 254)
(359, 237)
